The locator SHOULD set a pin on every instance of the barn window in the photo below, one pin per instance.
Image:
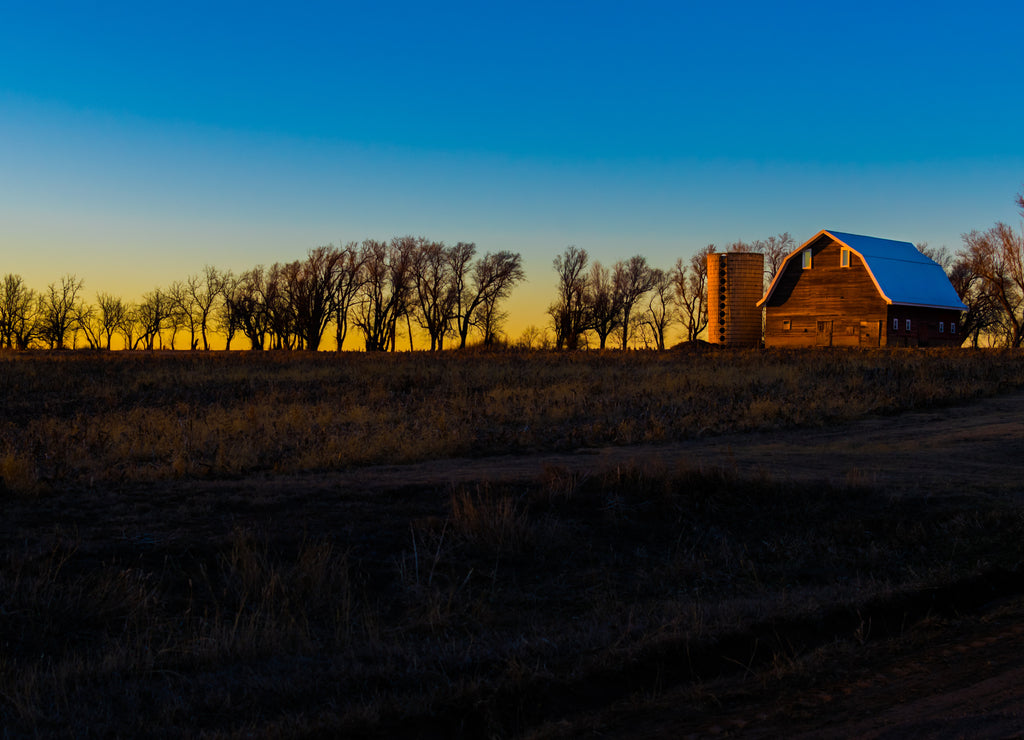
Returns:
(895, 324)
(787, 324)
(952, 327)
(908, 324)
(807, 259)
(844, 257)
(942, 327)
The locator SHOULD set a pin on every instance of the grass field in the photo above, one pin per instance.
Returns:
(165, 569)
(106, 419)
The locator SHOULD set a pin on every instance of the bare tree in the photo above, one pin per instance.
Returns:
(403, 252)
(112, 313)
(571, 314)
(435, 289)
(99, 322)
(983, 315)
(131, 327)
(225, 314)
(311, 288)
(87, 322)
(775, 249)
(996, 257)
(182, 313)
(534, 338)
(490, 319)
(659, 307)
(632, 280)
(18, 313)
(605, 303)
(350, 281)
(939, 255)
(248, 308)
(152, 317)
(375, 300)
(58, 307)
(494, 277)
(479, 287)
(690, 283)
(280, 313)
(384, 297)
(203, 293)
(995, 260)
(460, 258)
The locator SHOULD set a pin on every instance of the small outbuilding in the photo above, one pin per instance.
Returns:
(840, 289)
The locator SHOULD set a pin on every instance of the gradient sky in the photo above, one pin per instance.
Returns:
(140, 141)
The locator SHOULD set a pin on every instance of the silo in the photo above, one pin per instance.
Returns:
(735, 284)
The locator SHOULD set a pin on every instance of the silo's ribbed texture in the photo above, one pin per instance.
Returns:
(735, 284)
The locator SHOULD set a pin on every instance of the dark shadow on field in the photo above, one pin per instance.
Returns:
(545, 595)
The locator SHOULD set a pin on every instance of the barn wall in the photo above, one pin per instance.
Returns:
(826, 305)
(925, 329)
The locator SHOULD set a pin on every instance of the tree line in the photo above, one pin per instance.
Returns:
(631, 300)
(373, 287)
(377, 288)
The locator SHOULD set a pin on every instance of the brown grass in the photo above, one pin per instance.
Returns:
(489, 610)
(132, 606)
(90, 419)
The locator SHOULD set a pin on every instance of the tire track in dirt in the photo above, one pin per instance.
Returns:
(978, 446)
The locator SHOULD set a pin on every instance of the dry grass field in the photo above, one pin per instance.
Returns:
(268, 544)
(101, 419)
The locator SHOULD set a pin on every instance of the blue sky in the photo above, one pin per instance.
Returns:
(140, 141)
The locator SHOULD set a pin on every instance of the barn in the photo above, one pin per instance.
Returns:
(840, 289)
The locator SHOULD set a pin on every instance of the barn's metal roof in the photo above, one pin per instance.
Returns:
(903, 275)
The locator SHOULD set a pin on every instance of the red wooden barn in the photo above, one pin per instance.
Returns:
(841, 289)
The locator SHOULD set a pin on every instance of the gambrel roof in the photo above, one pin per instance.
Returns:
(903, 276)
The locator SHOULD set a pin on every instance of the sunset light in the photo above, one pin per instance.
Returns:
(553, 370)
(140, 145)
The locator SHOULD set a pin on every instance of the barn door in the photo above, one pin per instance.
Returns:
(870, 333)
(824, 338)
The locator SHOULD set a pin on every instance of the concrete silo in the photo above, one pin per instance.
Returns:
(735, 285)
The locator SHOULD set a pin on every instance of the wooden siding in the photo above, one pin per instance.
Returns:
(831, 305)
(925, 329)
(735, 285)
(826, 304)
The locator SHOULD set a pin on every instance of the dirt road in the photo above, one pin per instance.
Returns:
(971, 447)
(964, 682)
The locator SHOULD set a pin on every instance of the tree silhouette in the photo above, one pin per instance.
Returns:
(151, 318)
(19, 307)
(605, 303)
(384, 297)
(58, 308)
(658, 315)
(690, 283)
(463, 297)
(996, 258)
(204, 291)
(249, 309)
(632, 280)
(311, 287)
(225, 314)
(435, 289)
(350, 282)
(571, 313)
(494, 277)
